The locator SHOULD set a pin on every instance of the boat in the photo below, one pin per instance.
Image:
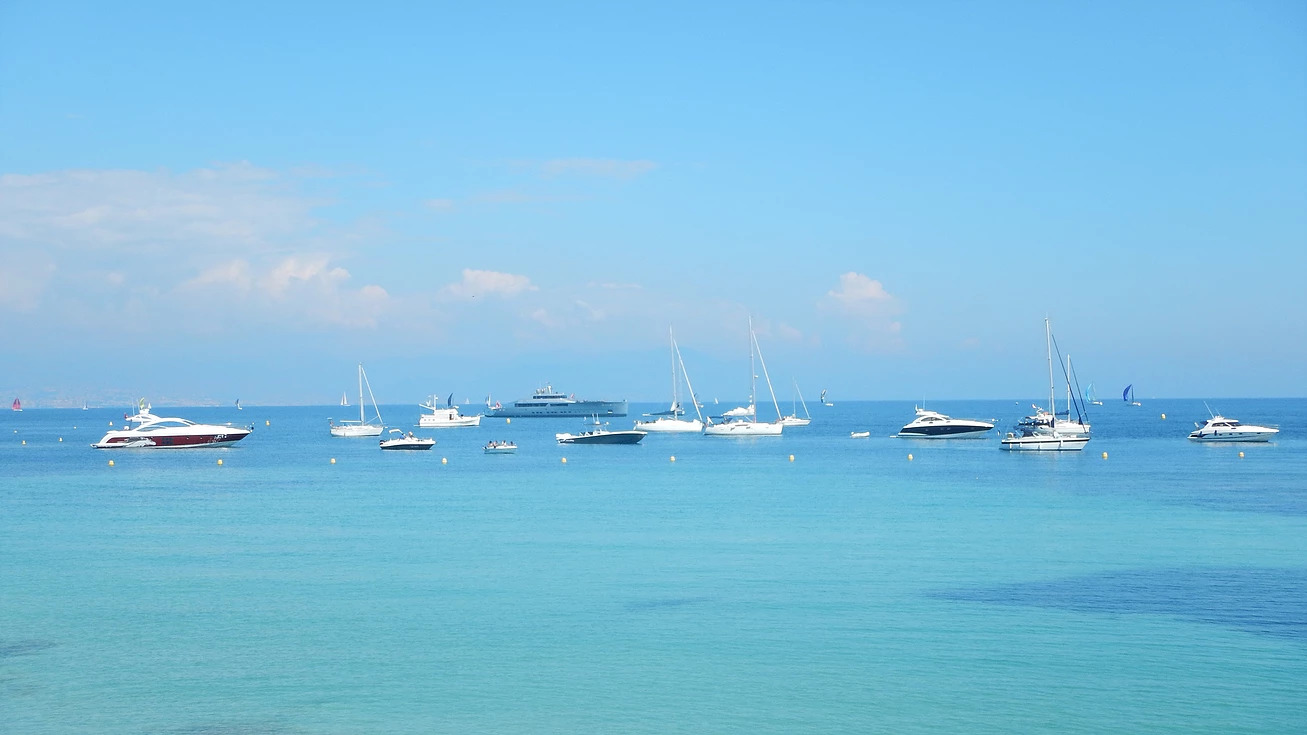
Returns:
(406, 441)
(18, 406)
(794, 419)
(750, 425)
(1044, 435)
(497, 447)
(447, 417)
(859, 434)
(362, 427)
(1091, 397)
(602, 436)
(547, 402)
(169, 432)
(670, 421)
(935, 425)
(238, 405)
(1128, 395)
(823, 400)
(344, 400)
(1221, 429)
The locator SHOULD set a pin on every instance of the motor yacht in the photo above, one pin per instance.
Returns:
(1043, 439)
(670, 425)
(1222, 429)
(743, 427)
(400, 440)
(446, 417)
(167, 432)
(935, 425)
(602, 436)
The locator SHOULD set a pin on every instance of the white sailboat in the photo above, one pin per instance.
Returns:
(750, 426)
(794, 419)
(1045, 436)
(670, 421)
(362, 427)
(344, 400)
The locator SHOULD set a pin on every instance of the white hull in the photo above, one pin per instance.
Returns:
(408, 444)
(429, 421)
(1043, 443)
(355, 430)
(743, 428)
(795, 421)
(665, 425)
(1242, 436)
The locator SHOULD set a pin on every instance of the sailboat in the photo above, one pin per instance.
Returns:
(823, 400)
(1091, 397)
(1128, 395)
(18, 406)
(670, 421)
(238, 405)
(362, 427)
(1041, 433)
(344, 400)
(750, 426)
(794, 419)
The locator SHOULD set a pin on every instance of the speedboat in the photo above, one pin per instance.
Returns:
(498, 447)
(447, 417)
(859, 434)
(602, 436)
(935, 425)
(166, 432)
(1221, 429)
(406, 441)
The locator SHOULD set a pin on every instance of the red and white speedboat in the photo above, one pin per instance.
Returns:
(159, 432)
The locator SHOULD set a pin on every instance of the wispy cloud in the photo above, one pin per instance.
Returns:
(486, 283)
(869, 310)
(607, 168)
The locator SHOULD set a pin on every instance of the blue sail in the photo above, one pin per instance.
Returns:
(1125, 394)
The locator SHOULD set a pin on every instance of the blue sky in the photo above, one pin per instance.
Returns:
(245, 200)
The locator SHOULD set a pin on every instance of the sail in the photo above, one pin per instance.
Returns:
(1125, 394)
(449, 402)
(18, 406)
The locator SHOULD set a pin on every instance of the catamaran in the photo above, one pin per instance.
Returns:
(362, 427)
(670, 421)
(750, 426)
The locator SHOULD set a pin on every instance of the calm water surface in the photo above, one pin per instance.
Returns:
(968, 590)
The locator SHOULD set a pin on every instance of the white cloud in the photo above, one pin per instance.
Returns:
(486, 283)
(869, 311)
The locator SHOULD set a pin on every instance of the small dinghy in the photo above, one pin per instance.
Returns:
(495, 447)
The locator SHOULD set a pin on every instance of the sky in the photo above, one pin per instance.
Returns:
(247, 199)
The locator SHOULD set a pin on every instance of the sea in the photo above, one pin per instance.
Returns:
(810, 583)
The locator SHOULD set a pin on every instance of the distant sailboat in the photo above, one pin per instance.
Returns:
(670, 421)
(344, 400)
(84, 408)
(1128, 395)
(238, 405)
(794, 419)
(18, 406)
(1091, 397)
(823, 400)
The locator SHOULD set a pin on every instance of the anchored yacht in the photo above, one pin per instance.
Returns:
(165, 432)
(547, 402)
(935, 425)
(1222, 429)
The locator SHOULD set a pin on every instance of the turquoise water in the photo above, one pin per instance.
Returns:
(968, 590)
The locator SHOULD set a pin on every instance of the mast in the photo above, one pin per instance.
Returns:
(1068, 388)
(361, 393)
(693, 400)
(753, 378)
(676, 384)
(774, 404)
(1048, 343)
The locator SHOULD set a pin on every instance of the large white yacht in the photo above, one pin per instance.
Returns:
(166, 432)
(1044, 432)
(1222, 429)
(737, 424)
(935, 425)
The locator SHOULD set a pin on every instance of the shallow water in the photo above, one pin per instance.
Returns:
(850, 590)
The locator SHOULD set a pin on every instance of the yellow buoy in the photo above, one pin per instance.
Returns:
(333, 460)
(220, 463)
(444, 460)
(111, 423)
(564, 460)
(24, 442)
(1240, 455)
(791, 457)
(61, 438)
(909, 457)
(1163, 417)
(673, 457)
(111, 463)
(1104, 455)
(267, 423)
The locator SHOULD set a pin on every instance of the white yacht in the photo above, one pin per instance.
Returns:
(400, 440)
(935, 425)
(1040, 433)
(1222, 429)
(671, 421)
(446, 417)
(162, 432)
(794, 419)
(750, 426)
(362, 427)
